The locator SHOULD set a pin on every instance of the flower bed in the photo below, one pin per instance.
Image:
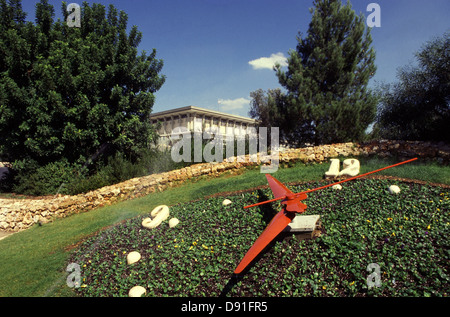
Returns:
(404, 234)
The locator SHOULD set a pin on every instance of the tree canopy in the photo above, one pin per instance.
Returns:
(66, 92)
(327, 98)
(417, 107)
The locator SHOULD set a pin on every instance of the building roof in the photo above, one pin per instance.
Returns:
(200, 111)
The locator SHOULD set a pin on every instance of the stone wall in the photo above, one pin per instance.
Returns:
(20, 214)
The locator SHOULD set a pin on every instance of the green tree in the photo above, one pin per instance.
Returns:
(65, 92)
(417, 107)
(272, 109)
(265, 107)
(327, 76)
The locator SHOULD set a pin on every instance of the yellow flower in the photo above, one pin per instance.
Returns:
(368, 221)
(191, 248)
(352, 283)
(393, 234)
(429, 226)
(389, 219)
(194, 243)
(324, 287)
(406, 218)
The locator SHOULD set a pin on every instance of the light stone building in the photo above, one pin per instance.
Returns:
(195, 119)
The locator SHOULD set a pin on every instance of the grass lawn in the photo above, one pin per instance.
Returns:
(33, 262)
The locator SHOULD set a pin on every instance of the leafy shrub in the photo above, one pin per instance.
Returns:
(84, 184)
(70, 179)
(31, 179)
(154, 161)
(120, 169)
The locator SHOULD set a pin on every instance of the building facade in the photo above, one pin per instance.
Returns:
(195, 119)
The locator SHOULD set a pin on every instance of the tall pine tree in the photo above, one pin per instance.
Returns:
(326, 81)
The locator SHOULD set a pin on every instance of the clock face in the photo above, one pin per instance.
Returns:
(292, 206)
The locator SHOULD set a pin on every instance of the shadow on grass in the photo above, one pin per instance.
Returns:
(267, 212)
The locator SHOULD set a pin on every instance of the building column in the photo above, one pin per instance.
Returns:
(188, 121)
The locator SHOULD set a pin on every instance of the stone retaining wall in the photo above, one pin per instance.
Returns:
(20, 214)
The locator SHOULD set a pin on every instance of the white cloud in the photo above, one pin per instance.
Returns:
(233, 104)
(269, 62)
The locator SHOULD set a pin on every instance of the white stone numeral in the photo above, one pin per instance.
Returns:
(350, 168)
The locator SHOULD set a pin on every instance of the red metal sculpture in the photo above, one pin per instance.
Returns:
(291, 205)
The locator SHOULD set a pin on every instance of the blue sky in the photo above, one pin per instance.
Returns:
(212, 48)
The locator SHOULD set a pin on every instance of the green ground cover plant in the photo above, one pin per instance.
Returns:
(44, 251)
(404, 234)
